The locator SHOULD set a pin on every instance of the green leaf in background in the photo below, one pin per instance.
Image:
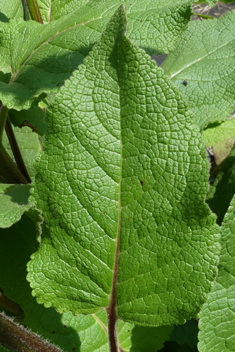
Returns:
(10, 9)
(3, 349)
(203, 67)
(29, 146)
(34, 118)
(85, 333)
(40, 57)
(218, 132)
(53, 9)
(186, 334)
(14, 201)
(123, 175)
(142, 338)
(223, 189)
(221, 150)
(217, 318)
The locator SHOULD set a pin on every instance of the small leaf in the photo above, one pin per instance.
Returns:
(123, 176)
(14, 201)
(205, 57)
(217, 318)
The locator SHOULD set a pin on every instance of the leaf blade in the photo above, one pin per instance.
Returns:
(193, 67)
(34, 47)
(99, 138)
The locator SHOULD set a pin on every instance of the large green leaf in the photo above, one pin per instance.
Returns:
(217, 318)
(202, 66)
(10, 9)
(121, 183)
(40, 57)
(14, 201)
(85, 333)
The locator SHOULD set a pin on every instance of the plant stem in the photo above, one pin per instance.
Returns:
(16, 152)
(34, 10)
(25, 10)
(3, 117)
(18, 337)
(11, 306)
(9, 173)
(202, 16)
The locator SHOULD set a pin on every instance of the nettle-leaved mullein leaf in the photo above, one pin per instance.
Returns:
(202, 66)
(121, 183)
(53, 9)
(217, 318)
(83, 332)
(40, 57)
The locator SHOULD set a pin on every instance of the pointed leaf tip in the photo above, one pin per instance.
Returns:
(123, 158)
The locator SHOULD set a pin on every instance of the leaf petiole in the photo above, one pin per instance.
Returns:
(34, 10)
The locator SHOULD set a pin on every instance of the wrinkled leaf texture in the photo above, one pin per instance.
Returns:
(123, 177)
(217, 318)
(40, 57)
(202, 66)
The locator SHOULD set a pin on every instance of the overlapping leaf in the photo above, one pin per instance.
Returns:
(10, 9)
(14, 201)
(41, 57)
(33, 118)
(217, 319)
(202, 66)
(223, 189)
(29, 147)
(53, 9)
(218, 132)
(123, 174)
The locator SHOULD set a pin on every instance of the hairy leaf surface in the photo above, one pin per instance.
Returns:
(217, 318)
(121, 183)
(202, 66)
(40, 57)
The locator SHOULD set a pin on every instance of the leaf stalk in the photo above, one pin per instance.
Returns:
(16, 151)
(34, 10)
(18, 337)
